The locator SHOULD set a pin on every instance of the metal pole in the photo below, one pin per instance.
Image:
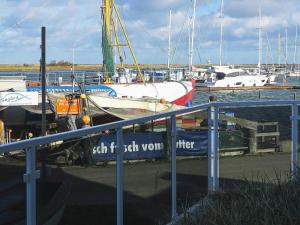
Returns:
(209, 152)
(169, 47)
(215, 149)
(295, 49)
(43, 73)
(259, 42)
(294, 139)
(279, 49)
(192, 37)
(173, 166)
(119, 152)
(221, 32)
(30, 179)
(73, 72)
(286, 48)
(213, 146)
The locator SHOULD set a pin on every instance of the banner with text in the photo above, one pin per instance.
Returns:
(149, 145)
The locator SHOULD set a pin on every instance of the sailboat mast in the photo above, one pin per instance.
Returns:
(192, 38)
(107, 50)
(189, 37)
(286, 47)
(107, 19)
(221, 32)
(279, 49)
(169, 48)
(115, 24)
(259, 42)
(295, 50)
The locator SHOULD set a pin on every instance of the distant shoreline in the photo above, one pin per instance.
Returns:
(89, 67)
(68, 67)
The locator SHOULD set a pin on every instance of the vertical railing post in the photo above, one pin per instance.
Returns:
(119, 152)
(209, 150)
(294, 140)
(213, 148)
(216, 149)
(30, 179)
(173, 166)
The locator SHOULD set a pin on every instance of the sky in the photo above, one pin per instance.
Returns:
(76, 24)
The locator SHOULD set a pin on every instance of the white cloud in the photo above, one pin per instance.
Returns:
(76, 23)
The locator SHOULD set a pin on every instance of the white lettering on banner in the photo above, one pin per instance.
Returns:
(153, 146)
(185, 144)
(134, 147)
(131, 148)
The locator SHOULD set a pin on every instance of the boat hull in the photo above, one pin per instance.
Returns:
(238, 81)
(179, 93)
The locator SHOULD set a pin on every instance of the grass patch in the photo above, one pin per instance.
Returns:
(263, 203)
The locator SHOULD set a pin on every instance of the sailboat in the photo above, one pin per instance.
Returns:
(176, 92)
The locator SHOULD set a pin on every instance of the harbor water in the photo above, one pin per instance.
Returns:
(252, 95)
(199, 98)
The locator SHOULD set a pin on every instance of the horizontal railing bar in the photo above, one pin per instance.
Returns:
(256, 103)
(95, 129)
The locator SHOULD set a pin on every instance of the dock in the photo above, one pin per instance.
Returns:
(149, 184)
(268, 87)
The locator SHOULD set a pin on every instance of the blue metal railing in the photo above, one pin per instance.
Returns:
(213, 108)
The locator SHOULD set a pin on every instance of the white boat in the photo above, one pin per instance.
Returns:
(15, 83)
(227, 70)
(222, 80)
(227, 76)
(294, 74)
(176, 92)
(148, 104)
(272, 78)
(124, 108)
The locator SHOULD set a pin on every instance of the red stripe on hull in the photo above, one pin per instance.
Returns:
(184, 99)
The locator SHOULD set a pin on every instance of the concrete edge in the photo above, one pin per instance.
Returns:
(194, 210)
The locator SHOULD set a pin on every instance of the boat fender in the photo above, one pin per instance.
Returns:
(162, 101)
(86, 120)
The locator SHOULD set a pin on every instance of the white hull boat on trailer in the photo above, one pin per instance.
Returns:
(124, 108)
(179, 93)
(176, 92)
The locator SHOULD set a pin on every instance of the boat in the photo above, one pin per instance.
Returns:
(120, 82)
(12, 83)
(121, 108)
(177, 92)
(222, 80)
(229, 76)
(226, 76)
